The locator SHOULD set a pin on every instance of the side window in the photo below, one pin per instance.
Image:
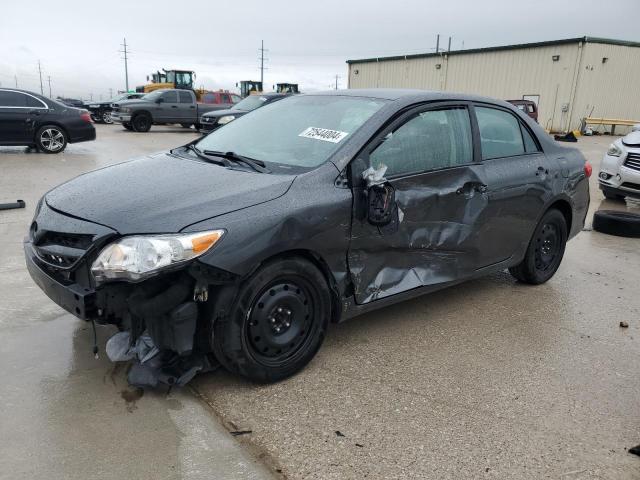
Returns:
(530, 145)
(185, 97)
(170, 97)
(34, 102)
(12, 99)
(235, 98)
(429, 141)
(225, 98)
(499, 133)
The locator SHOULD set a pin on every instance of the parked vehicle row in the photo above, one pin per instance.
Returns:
(213, 120)
(101, 111)
(33, 120)
(247, 246)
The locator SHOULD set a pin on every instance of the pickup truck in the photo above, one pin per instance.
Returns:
(160, 107)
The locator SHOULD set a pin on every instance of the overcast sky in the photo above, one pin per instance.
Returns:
(77, 42)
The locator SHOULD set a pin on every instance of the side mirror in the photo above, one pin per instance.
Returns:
(160, 100)
(381, 200)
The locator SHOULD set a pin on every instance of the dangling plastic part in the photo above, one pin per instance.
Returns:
(95, 339)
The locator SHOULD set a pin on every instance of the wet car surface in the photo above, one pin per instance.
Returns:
(241, 250)
(487, 378)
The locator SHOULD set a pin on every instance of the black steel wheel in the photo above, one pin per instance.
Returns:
(141, 122)
(276, 321)
(545, 250)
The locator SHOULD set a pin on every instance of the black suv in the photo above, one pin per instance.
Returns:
(211, 121)
(101, 111)
(246, 247)
(29, 119)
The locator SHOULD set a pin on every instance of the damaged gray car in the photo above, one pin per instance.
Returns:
(243, 249)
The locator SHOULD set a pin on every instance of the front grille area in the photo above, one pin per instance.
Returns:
(62, 250)
(632, 161)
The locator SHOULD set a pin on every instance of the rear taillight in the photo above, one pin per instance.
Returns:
(588, 169)
(84, 115)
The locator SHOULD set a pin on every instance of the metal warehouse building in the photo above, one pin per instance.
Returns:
(568, 79)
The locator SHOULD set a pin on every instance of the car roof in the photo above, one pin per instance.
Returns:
(407, 93)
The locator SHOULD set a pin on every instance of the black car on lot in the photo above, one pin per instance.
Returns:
(29, 119)
(212, 120)
(247, 247)
(101, 111)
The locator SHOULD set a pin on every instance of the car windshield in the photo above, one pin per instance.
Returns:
(250, 103)
(300, 131)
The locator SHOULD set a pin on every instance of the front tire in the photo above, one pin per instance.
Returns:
(545, 250)
(141, 122)
(51, 139)
(276, 321)
(106, 118)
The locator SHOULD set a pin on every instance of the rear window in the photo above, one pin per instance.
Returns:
(185, 97)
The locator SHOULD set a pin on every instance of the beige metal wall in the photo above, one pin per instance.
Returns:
(510, 74)
(610, 89)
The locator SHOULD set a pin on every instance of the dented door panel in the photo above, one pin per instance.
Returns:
(436, 239)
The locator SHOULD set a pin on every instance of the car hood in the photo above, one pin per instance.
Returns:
(163, 193)
(632, 139)
(222, 113)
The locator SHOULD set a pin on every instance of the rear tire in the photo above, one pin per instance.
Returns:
(545, 250)
(613, 196)
(51, 139)
(613, 222)
(275, 323)
(141, 122)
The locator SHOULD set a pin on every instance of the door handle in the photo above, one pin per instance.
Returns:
(174, 106)
(192, 106)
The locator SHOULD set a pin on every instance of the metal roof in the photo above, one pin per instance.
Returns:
(549, 43)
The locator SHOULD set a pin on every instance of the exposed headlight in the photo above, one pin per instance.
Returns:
(136, 257)
(614, 150)
(226, 119)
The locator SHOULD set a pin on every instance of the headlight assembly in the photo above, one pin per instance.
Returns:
(137, 257)
(226, 119)
(614, 150)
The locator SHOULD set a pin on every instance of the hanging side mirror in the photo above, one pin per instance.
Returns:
(381, 204)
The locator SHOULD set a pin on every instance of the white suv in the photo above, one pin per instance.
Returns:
(619, 175)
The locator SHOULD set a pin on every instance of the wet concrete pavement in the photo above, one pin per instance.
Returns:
(487, 379)
(64, 414)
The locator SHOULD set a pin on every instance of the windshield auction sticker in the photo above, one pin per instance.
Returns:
(333, 136)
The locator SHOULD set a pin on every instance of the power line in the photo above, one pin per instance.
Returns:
(40, 72)
(126, 66)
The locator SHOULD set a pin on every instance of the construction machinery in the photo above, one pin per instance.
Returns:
(178, 79)
(249, 87)
(287, 88)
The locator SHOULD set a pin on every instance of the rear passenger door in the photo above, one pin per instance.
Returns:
(19, 113)
(187, 110)
(440, 192)
(519, 180)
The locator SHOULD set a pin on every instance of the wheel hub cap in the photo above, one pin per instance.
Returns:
(547, 246)
(52, 139)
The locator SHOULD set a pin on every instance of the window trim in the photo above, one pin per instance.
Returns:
(46, 107)
(520, 123)
(412, 111)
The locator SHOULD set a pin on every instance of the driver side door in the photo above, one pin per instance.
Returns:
(433, 163)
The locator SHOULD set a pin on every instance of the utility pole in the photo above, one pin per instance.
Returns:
(40, 71)
(111, 93)
(16, 79)
(337, 76)
(438, 44)
(262, 63)
(49, 79)
(449, 47)
(126, 66)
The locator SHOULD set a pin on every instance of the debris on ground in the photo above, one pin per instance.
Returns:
(624, 324)
(339, 433)
(237, 433)
(635, 450)
(152, 366)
